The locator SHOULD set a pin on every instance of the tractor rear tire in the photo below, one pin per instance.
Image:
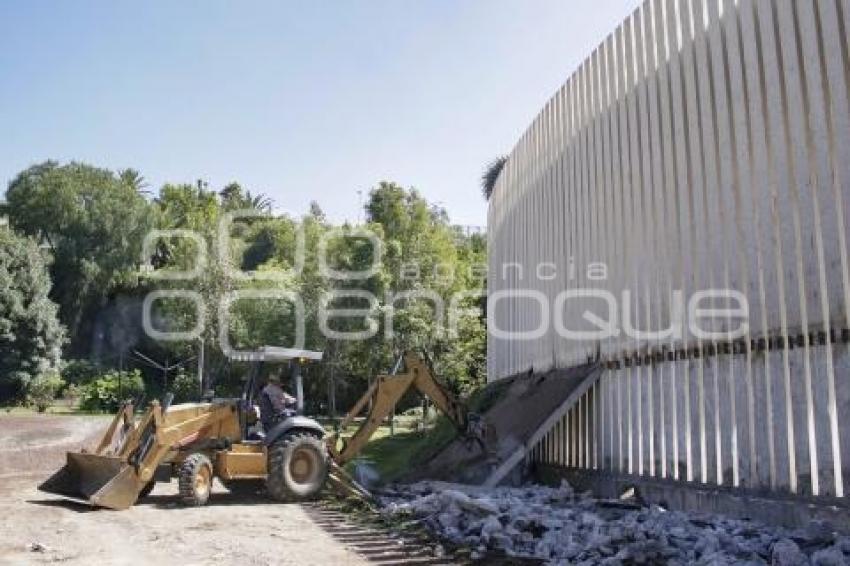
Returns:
(298, 467)
(195, 480)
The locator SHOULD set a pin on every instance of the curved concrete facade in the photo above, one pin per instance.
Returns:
(704, 145)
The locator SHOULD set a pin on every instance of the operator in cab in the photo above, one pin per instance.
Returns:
(275, 403)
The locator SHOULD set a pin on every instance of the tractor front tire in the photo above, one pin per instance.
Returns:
(195, 480)
(298, 467)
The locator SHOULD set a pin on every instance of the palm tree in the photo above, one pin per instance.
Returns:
(134, 179)
(491, 175)
(234, 197)
(259, 202)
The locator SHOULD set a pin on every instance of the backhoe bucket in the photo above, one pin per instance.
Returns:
(104, 481)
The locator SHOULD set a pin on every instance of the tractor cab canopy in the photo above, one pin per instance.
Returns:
(275, 355)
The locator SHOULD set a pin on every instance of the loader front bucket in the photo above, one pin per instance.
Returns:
(104, 481)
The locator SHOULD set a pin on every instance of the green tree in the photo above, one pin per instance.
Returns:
(195, 208)
(107, 392)
(424, 254)
(94, 224)
(79, 372)
(31, 337)
(42, 390)
(185, 388)
(255, 244)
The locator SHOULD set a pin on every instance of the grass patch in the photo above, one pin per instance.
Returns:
(392, 456)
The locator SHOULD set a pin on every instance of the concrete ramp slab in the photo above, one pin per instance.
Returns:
(518, 418)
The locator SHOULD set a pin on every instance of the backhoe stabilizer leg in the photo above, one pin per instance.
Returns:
(346, 485)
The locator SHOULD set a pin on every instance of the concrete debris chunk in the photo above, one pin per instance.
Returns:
(467, 503)
(786, 553)
(830, 556)
(561, 526)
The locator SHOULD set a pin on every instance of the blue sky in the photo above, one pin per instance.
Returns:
(299, 100)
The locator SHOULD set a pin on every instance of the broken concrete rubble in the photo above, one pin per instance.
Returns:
(559, 525)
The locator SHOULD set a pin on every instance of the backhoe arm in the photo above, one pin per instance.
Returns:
(428, 385)
(385, 392)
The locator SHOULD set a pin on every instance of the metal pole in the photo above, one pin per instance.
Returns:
(201, 367)
(299, 387)
(332, 394)
(332, 382)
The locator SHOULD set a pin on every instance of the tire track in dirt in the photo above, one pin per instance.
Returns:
(36, 528)
(35, 445)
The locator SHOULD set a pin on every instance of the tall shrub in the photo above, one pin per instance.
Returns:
(31, 337)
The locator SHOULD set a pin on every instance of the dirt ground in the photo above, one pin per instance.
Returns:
(37, 528)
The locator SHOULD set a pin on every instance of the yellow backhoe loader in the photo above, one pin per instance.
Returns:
(197, 442)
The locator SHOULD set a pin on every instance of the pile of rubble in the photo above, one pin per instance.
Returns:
(561, 526)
